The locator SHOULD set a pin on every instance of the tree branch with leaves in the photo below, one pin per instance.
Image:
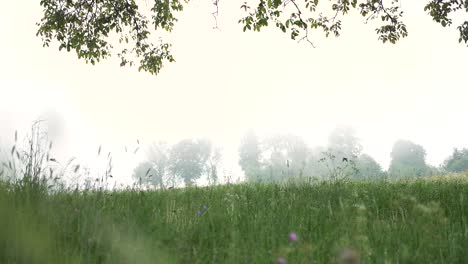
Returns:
(87, 26)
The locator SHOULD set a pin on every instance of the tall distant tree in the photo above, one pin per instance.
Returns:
(188, 159)
(213, 165)
(408, 159)
(339, 159)
(457, 162)
(343, 143)
(249, 155)
(154, 170)
(285, 156)
(86, 26)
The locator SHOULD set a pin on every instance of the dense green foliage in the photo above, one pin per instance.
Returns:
(87, 26)
(423, 221)
(457, 162)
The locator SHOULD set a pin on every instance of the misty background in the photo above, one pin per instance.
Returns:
(225, 82)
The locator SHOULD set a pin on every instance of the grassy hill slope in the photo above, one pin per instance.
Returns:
(422, 221)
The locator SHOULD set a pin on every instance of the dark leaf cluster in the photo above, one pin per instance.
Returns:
(86, 27)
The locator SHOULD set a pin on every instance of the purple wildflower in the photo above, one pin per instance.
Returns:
(281, 261)
(292, 237)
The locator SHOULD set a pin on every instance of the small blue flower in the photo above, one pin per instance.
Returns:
(203, 210)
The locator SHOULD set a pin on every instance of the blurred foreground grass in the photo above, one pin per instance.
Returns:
(421, 221)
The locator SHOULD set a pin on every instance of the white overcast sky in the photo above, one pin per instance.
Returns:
(226, 81)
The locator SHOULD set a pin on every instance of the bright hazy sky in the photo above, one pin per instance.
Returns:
(226, 81)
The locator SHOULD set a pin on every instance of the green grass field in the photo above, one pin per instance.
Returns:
(422, 221)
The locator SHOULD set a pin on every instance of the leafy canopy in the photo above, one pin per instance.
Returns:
(88, 26)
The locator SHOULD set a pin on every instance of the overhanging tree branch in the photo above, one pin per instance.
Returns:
(85, 26)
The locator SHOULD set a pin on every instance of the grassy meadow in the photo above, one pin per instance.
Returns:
(419, 221)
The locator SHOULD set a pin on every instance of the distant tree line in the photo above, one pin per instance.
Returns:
(273, 158)
(186, 161)
(285, 156)
(281, 157)
(457, 162)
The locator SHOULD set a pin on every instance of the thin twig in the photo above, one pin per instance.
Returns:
(215, 13)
